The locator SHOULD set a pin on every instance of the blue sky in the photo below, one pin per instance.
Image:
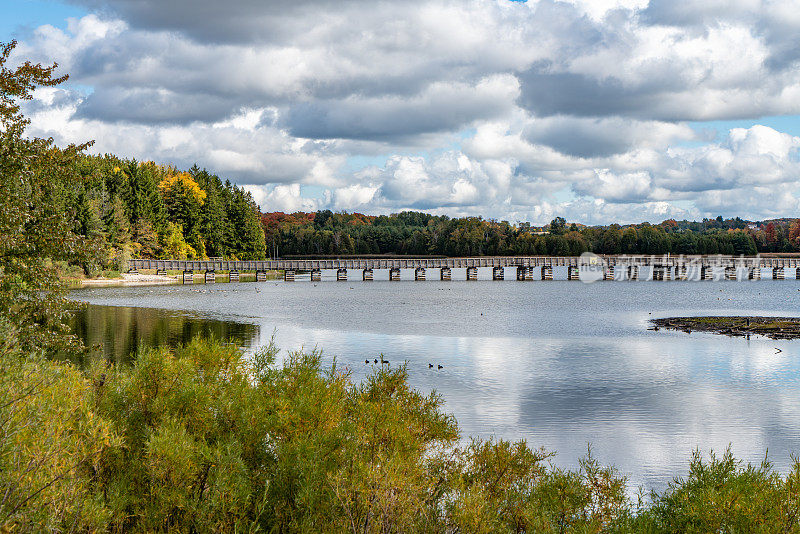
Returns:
(21, 16)
(598, 111)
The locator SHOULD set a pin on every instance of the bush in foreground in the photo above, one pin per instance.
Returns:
(202, 439)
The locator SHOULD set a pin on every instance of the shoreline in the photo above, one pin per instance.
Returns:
(733, 326)
(132, 280)
(126, 279)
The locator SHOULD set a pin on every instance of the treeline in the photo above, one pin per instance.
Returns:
(140, 209)
(414, 233)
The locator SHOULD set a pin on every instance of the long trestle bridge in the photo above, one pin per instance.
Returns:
(526, 268)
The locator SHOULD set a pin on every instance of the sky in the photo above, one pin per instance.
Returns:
(598, 111)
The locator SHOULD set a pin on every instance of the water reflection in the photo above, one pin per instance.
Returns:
(118, 333)
(558, 364)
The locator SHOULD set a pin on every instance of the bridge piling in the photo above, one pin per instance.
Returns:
(188, 277)
(341, 275)
(233, 276)
(316, 275)
(498, 273)
(472, 274)
(288, 275)
(366, 275)
(633, 272)
(419, 274)
(394, 274)
(608, 272)
(445, 275)
(547, 272)
(572, 273)
(210, 277)
(730, 273)
(658, 272)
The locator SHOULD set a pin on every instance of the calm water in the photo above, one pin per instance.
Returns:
(560, 364)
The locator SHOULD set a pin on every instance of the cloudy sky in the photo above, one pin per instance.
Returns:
(595, 110)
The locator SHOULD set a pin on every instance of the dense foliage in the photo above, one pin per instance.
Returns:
(147, 210)
(202, 439)
(414, 233)
(36, 220)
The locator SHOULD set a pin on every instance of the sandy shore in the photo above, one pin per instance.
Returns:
(130, 280)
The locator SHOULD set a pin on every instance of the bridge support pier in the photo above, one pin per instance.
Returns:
(730, 273)
(394, 274)
(316, 275)
(547, 272)
(261, 276)
(797, 274)
(233, 276)
(210, 277)
(706, 272)
(445, 274)
(681, 273)
(188, 277)
(341, 275)
(419, 274)
(658, 272)
(288, 275)
(161, 272)
(754, 273)
(472, 274)
(498, 273)
(633, 272)
(777, 273)
(608, 272)
(366, 275)
(572, 273)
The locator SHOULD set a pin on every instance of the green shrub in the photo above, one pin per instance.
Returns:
(203, 439)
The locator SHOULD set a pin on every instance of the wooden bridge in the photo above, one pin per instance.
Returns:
(667, 267)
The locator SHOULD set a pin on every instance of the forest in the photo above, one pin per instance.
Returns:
(143, 209)
(419, 234)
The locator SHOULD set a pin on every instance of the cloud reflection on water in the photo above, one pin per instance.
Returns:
(643, 404)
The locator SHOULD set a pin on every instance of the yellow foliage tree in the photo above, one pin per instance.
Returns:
(180, 183)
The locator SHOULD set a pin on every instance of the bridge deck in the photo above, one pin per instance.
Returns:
(433, 263)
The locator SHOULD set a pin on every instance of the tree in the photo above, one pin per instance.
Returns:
(175, 245)
(47, 431)
(35, 221)
(558, 226)
(183, 199)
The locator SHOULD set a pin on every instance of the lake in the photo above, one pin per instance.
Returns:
(560, 364)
